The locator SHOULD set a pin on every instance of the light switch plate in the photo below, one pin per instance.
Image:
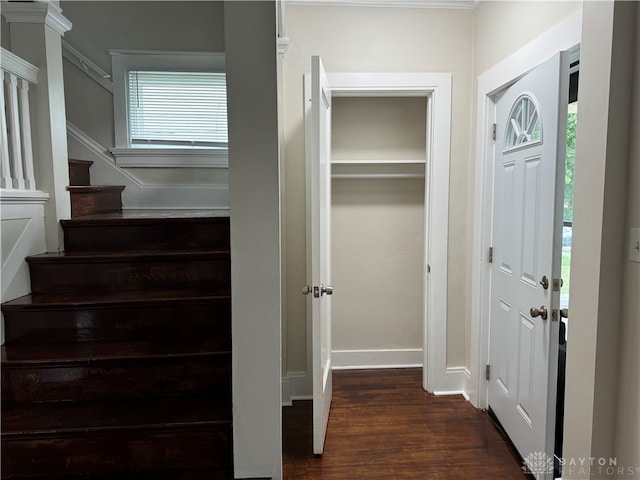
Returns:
(634, 245)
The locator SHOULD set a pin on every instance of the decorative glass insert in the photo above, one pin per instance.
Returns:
(524, 123)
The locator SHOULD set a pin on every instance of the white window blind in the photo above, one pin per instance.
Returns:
(177, 108)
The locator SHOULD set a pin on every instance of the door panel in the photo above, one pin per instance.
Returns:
(318, 164)
(529, 169)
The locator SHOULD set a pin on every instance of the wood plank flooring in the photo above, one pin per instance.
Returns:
(384, 426)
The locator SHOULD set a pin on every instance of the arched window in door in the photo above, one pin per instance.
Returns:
(524, 125)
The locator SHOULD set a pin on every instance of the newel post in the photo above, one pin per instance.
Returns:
(36, 31)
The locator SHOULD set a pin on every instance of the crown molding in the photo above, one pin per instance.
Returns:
(36, 12)
(446, 4)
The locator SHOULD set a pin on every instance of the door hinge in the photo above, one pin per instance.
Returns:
(487, 373)
(493, 132)
(490, 254)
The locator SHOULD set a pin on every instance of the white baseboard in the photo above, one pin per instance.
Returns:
(381, 358)
(454, 381)
(296, 386)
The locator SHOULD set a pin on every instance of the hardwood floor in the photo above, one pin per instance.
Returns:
(384, 426)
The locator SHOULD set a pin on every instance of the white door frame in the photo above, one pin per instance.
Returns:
(565, 35)
(437, 88)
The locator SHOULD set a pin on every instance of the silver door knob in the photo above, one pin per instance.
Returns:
(541, 312)
(328, 290)
(306, 290)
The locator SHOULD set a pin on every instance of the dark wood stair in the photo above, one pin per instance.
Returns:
(79, 172)
(87, 199)
(118, 364)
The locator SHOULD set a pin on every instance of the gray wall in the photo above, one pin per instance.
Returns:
(100, 26)
(4, 34)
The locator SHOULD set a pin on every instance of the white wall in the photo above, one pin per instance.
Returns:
(255, 237)
(627, 440)
(378, 128)
(377, 260)
(599, 236)
(503, 27)
(357, 39)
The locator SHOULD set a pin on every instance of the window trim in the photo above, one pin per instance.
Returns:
(127, 156)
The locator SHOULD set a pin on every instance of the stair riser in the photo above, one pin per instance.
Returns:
(134, 378)
(62, 276)
(209, 320)
(93, 203)
(161, 237)
(79, 174)
(93, 452)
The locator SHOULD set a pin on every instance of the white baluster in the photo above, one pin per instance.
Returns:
(25, 121)
(14, 132)
(5, 170)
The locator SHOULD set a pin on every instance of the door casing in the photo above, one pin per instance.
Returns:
(437, 378)
(564, 36)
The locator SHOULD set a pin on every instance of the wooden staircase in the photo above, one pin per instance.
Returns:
(118, 365)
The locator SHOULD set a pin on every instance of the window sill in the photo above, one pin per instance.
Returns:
(171, 157)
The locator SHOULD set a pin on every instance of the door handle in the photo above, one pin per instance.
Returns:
(541, 312)
(328, 290)
(306, 289)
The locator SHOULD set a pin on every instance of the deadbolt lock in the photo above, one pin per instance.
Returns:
(544, 282)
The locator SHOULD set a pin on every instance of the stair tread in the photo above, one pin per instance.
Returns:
(114, 298)
(94, 188)
(114, 414)
(80, 162)
(140, 216)
(134, 255)
(87, 352)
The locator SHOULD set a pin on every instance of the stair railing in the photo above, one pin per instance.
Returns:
(16, 153)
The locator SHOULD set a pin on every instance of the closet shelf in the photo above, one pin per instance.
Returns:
(378, 162)
(348, 170)
(375, 176)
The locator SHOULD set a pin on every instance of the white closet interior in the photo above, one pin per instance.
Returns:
(378, 164)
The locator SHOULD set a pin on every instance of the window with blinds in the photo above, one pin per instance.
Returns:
(177, 109)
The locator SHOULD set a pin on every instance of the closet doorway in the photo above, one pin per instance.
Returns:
(430, 95)
(378, 158)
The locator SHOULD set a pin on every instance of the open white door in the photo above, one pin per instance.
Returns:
(527, 226)
(319, 290)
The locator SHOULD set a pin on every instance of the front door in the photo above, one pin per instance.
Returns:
(527, 227)
(319, 290)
